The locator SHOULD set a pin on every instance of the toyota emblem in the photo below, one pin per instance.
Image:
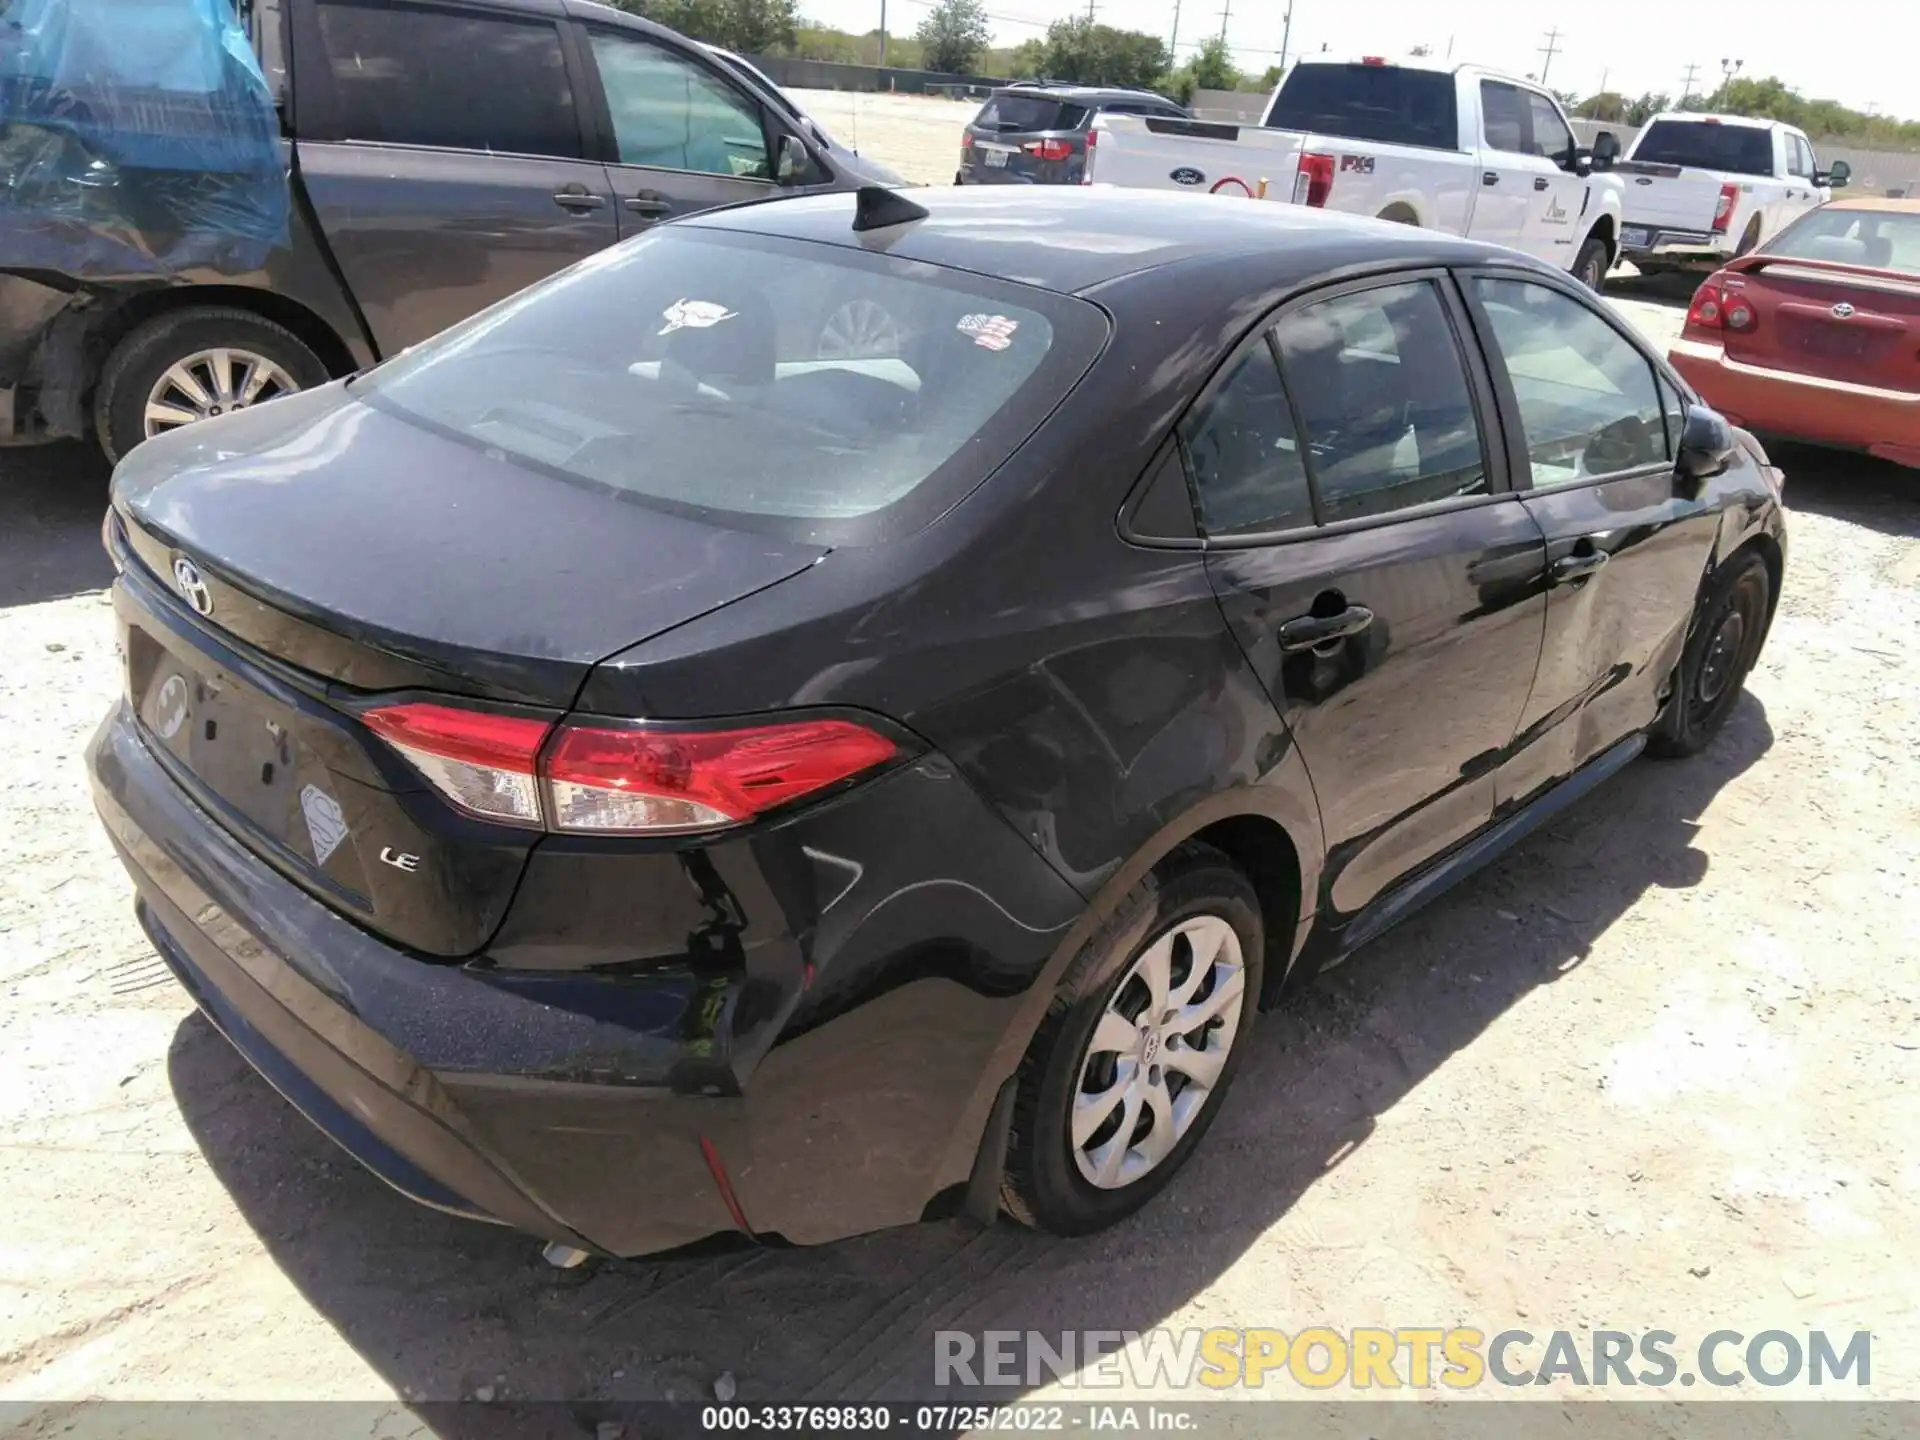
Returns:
(1842, 311)
(186, 575)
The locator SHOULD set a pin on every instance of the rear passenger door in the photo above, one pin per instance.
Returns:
(1595, 428)
(442, 150)
(1369, 558)
(677, 133)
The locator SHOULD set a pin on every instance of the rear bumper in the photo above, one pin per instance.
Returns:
(1885, 423)
(1674, 247)
(437, 1076)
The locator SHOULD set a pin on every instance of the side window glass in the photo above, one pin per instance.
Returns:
(437, 77)
(1503, 116)
(1587, 398)
(671, 114)
(1803, 158)
(1382, 395)
(1551, 137)
(1674, 405)
(1247, 474)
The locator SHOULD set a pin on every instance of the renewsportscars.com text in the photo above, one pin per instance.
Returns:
(1456, 1358)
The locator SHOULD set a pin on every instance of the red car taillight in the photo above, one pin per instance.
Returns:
(1313, 181)
(1723, 208)
(1049, 149)
(1705, 309)
(586, 778)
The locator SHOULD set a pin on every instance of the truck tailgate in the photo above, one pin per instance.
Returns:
(1150, 153)
(1668, 197)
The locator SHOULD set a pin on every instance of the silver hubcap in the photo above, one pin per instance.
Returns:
(859, 330)
(1158, 1051)
(213, 382)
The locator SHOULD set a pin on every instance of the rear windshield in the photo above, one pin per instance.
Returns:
(1029, 112)
(801, 386)
(1884, 239)
(1370, 102)
(1737, 149)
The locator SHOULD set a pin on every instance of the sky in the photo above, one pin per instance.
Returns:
(1860, 52)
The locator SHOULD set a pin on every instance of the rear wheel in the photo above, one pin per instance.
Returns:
(1130, 1066)
(1730, 622)
(191, 365)
(1590, 266)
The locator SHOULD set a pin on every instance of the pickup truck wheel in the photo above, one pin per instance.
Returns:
(191, 365)
(1590, 267)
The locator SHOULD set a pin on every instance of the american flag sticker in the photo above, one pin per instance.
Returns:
(993, 332)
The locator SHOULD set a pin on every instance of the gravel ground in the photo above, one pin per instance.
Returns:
(1657, 1069)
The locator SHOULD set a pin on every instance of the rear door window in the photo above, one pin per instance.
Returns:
(819, 393)
(1370, 102)
(1381, 390)
(1244, 457)
(447, 78)
(1705, 145)
(1013, 113)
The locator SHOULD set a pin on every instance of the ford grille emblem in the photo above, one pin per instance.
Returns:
(1187, 175)
(1842, 311)
(186, 575)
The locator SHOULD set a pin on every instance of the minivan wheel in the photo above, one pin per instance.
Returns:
(1590, 266)
(1137, 1050)
(1729, 626)
(191, 365)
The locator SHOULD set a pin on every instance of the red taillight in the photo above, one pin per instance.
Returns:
(1739, 314)
(1373, 59)
(1048, 149)
(633, 779)
(1723, 208)
(1313, 182)
(1705, 309)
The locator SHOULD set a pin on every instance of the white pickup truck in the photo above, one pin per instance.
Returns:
(1456, 148)
(1704, 188)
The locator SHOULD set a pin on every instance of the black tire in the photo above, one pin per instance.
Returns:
(1590, 266)
(1043, 1185)
(1729, 626)
(153, 347)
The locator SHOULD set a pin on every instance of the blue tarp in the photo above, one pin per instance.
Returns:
(137, 138)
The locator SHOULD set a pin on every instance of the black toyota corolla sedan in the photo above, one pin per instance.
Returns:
(640, 766)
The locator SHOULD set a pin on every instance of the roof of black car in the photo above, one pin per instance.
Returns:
(1068, 90)
(1070, 238)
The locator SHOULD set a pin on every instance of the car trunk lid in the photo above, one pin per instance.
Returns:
(290, 565)
(1848, 323)
(1665, 197)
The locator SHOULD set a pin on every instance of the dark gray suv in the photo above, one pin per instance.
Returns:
(1036, 132)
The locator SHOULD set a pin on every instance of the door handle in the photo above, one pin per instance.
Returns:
(1539, 182)
(1489, 177)
(1310, 632)
(652, 206)
(577, 197)
(1577, 566)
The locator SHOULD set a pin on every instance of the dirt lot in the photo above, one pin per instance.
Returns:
(1658, 1069)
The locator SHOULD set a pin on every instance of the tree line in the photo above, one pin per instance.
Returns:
(1764, 99)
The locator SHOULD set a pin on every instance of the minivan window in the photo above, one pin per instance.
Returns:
(1382, 395)
(713, 373)
(1707, 145)
(405, 76)
(1370, 102)
(1029, 112)
(671, 114)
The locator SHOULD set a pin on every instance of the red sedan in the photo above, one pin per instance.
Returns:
(1816, 335)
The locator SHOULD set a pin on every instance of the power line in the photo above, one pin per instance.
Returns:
(1549, 49)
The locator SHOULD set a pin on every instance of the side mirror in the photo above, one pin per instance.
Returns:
(1706, 445)
(794, 163)
(1583, 163)
(1836, 177)
(1606, 150)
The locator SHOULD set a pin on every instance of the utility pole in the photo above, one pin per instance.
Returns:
(1686, 86)
(1286, 35)
(883, 32)
(1548, 50)
(1173, 45)
(1223, 19)
(1089, 12)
